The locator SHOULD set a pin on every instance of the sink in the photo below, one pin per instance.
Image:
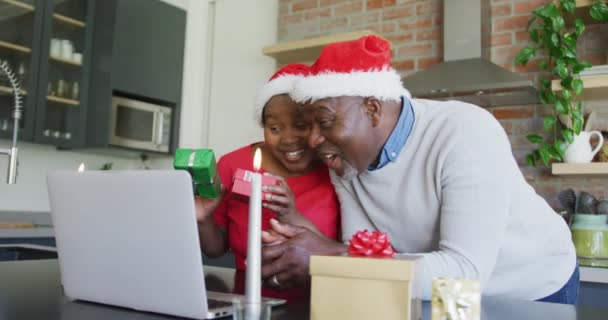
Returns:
(15, 252)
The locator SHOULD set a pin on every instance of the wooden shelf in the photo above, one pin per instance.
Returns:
(595, 86)
(68, 20)
(8, 90)
(69, 102)
(583, 3)
(580, 169)
(15, 47)
(62, 60)
(308, 49)
(582, 11)
(19, 4)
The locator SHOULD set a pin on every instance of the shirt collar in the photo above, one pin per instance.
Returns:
(396, 141)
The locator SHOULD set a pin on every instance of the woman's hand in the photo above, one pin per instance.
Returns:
(205, 207)
(280, 199)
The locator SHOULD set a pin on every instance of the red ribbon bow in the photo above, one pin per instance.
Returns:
(368, 244)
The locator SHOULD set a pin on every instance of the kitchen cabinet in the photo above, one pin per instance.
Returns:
(47, 43)
(20, 34)
(64, 73)
(137, 54)
(72, 56)
(149, 49)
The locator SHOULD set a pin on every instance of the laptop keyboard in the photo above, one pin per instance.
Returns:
(214, 303)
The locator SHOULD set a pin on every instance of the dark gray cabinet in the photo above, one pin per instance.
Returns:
(47, 44)
(20, 34)
(64, 73)
(149, 49)
(74, 55)
(138, 53)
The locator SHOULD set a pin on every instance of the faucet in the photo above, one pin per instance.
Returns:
(11, 175)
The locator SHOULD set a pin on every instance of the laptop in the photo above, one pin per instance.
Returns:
(130, 239)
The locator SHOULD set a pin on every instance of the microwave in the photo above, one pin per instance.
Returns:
(136, 124)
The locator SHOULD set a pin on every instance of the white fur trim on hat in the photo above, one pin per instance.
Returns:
(280, 85)
(383, 84)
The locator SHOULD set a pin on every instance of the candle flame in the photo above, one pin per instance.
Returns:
(81, 167)
(257, 160)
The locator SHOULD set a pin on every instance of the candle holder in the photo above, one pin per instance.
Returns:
(242, 310)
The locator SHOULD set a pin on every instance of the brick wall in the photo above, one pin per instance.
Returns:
(414, 28)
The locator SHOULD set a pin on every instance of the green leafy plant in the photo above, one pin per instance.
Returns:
(553, 34)
(106, 166)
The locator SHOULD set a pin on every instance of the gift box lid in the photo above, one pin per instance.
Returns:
(201, 163)
(362, 268)
(246, 176)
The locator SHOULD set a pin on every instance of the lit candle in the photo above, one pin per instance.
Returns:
(253, 285)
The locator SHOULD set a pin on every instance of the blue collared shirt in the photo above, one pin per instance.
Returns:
(396, 141)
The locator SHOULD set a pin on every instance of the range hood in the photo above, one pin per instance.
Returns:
(467, 74)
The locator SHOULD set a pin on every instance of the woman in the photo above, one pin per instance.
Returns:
(305, 196)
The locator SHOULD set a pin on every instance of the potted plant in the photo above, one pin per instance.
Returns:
(556, 37)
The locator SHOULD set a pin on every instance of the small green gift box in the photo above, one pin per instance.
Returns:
(203, 169)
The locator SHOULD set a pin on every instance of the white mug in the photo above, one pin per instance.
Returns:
(579, 151)
(55, 48)
(77, 57)
(67, 48)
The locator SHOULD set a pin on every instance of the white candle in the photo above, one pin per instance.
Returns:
(253, 285)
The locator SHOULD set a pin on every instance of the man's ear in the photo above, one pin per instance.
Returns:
(373, 109)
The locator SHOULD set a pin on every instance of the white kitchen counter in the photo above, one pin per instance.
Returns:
(595, 275)
(38, 232)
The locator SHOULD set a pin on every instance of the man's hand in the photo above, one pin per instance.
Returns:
(205, 207)
(289, 259)
(271, 237)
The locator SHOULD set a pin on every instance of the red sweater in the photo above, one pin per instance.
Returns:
(314, 194)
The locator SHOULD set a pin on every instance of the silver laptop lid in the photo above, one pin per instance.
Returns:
(129, 238)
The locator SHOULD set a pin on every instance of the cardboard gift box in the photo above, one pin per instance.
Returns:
(346, 287)
(202, 167)
(241, 186)
(456, 298)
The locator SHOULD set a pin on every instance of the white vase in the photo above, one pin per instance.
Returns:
(579, 151)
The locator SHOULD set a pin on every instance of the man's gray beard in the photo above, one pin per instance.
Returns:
(349, 171)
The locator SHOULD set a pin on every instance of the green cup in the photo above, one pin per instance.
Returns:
(590, 237)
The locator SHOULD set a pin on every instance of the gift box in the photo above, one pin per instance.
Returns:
(201, 165)
(346, 287)
(241, 186)
(456, 299)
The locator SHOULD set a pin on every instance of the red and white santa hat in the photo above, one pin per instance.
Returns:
(280, 83)
(360, 68)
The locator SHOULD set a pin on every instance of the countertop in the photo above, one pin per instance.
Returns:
(594, 274)
(37, 232)
(41, 221)
(32, 290)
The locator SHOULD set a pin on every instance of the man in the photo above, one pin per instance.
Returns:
(438, 177)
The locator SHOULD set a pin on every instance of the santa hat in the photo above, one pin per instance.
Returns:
(280, 83)
(360, 68)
